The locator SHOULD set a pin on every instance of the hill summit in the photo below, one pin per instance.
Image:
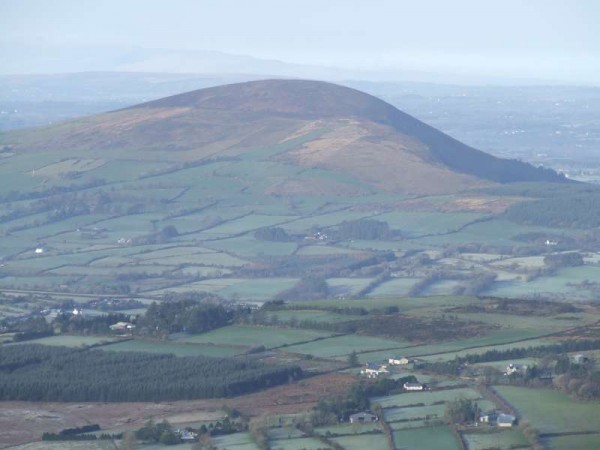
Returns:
(362, 141)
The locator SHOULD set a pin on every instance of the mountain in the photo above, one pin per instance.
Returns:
(51, 59)
(363, 143)
(252, 190)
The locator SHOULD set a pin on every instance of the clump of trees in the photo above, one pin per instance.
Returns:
(68, 323)
(579, 379)
(362, 229)
(166, 317)
(158, 432)
(461, 410)
(560, 260)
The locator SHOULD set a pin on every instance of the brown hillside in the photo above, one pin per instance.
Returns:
(326, 126)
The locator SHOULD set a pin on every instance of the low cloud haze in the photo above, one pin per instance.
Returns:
(545, 41)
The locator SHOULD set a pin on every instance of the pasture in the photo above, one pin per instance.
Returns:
(362, 442)
(248, 247)
(411, 413)
(500, 439)
(430, 438)
(236, 441)
(424, 398)
(247, 223)
(254, 336)
(305, 443)
(69, 445)
(256, 289)
(404, 304)
(343, 429)
(561, 284)
(552, 411)
(575, 442)
(340, 346)
(417, 224)
(72, 341)
(175, 348)
(396, 287)
(313, 315)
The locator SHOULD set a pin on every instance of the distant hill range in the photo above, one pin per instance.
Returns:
(358, 142)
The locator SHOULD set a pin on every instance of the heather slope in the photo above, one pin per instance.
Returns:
(305, 124)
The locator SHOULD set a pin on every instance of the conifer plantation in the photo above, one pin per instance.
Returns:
(41, 373)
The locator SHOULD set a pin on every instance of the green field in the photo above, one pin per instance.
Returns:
(349, 428)
(552, 411)
(425, 397)
(345, 286)
(71, 445)
(396, 287)
(256, 289)
(416, 224)
(304, 443)
(313, 315)
(577, 442)
(236, 441)
(414, 413)
(344, 345)
(403, 303)
(324, 220)
(500, 340)
(362, 442)
(500, 439)
(558, 285)
(270, 337)
(72, 341)
(430, 438)
(261, 289)
(248, 247)
(248, 223)
(317, 250)
(178, 349)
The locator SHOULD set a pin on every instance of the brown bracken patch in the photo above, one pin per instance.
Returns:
(23, 422)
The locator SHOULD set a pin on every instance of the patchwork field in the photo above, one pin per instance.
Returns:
(73, 341)
(500, 439)
(360, 442)
(431, 438)
(552, 411)
(270, 337)
(343, 345)
(426, 397)
(576, 442)
(175, 348)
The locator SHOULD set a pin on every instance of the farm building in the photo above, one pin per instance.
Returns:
(122, 326)
(398, 361)
(186, 435)
(515, 368)
(505, 420)
(373, 370)
(489, 417)
(413, 387)
(363, 417)
(580, 359)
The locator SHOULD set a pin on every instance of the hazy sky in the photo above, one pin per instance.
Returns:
(544, 39)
